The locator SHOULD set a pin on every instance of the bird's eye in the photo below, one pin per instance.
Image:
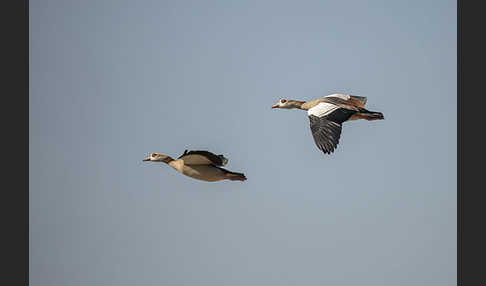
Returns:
(153, 155)
(283, 100)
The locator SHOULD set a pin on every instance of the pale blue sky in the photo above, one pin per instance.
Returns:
(111, 81)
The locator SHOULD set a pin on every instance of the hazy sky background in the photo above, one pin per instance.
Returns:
(111, 81)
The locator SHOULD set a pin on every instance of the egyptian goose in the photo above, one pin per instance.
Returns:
(201, 165)
(327, 114)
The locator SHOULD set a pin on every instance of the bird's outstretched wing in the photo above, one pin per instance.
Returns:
(359, 101)
(201, 157)
(326, 133)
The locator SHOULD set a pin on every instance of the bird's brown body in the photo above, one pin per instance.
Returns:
(200, 165)
(327, 114)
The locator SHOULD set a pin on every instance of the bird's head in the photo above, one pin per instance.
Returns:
(156, 157)
(287, 104)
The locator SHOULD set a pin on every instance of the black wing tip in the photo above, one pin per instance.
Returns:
(327, 147)
(328, 152)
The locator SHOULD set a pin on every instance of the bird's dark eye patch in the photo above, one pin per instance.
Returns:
(283, 100)
(153, 154)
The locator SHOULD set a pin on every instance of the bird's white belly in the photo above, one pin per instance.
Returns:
(203, 172)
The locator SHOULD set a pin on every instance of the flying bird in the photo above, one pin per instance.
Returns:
(327, 114)
(201, 165)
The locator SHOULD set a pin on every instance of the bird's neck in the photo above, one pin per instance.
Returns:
(166, 160)
(176, 164)
(298, 104)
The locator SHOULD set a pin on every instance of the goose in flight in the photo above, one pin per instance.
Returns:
(201, 165)
(327, 114)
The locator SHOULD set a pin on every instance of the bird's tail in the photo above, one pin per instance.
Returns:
(236, 176)
(370, 115)
(233, 176)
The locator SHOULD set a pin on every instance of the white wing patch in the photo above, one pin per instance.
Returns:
(322, 109)
(340, 95)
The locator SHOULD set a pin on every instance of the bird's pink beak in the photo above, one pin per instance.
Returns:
(276, 106)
